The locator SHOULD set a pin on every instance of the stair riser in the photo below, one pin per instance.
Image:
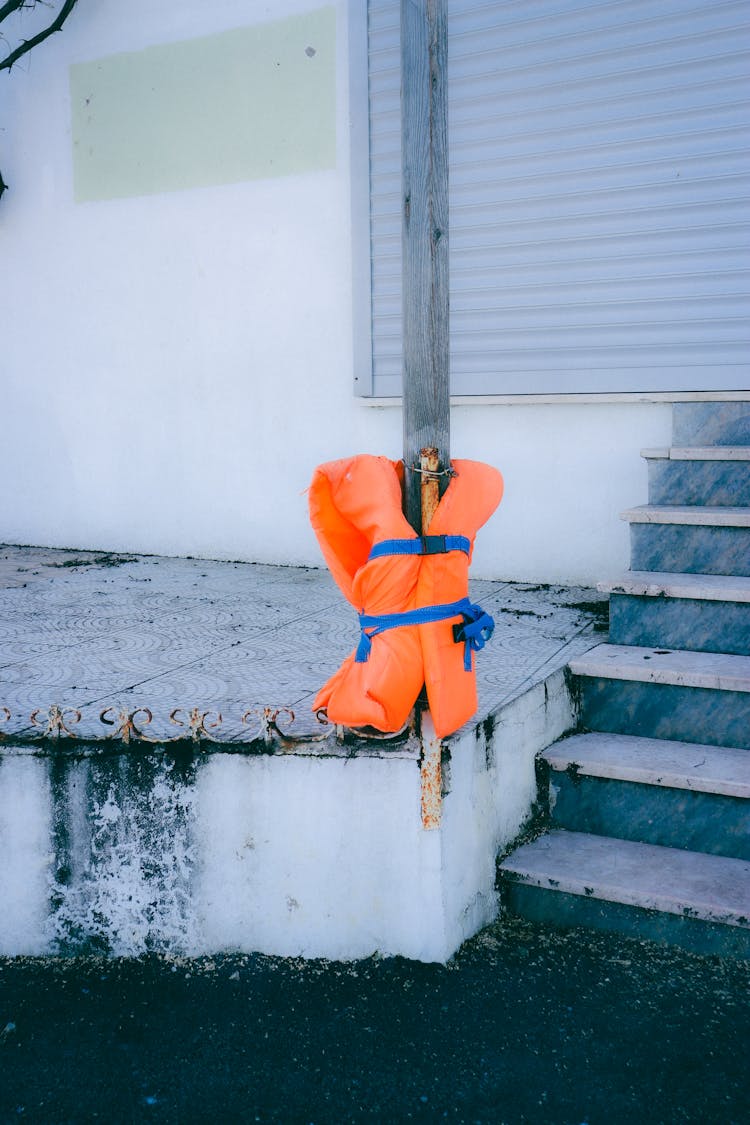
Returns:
(651, 814)
(690, 549)
(680, 623)
(561, 909)
(699, 482)
(710, 423)
(685, 714)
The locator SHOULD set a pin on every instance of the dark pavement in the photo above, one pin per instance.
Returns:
(526, 1024)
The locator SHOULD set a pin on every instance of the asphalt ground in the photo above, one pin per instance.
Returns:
(525, 1024)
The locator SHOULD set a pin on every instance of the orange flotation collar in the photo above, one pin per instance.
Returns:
(417, 623)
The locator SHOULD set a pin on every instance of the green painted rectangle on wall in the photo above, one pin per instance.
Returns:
(245, 104)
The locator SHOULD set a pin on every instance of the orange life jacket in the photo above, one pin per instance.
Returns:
(384, 569)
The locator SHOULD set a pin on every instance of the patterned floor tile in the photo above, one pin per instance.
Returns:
(161, 634)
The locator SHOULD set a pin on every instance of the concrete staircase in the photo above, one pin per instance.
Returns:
(649, 807)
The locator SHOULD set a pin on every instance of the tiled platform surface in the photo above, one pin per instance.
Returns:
(276, 843)
(87, 630)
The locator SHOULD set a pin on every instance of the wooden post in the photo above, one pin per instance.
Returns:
(426, 370)
(431, 765)
(430, 485)
(424, 131)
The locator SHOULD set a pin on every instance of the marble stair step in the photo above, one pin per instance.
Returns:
(667, 815)
(700, 612)
(688, 515)
(701, 479)
(711, 423)
(680, 668)
(690, 884)
(698, 453)
(653, 584)
(690, 540)
(653, 761)
(655, 709)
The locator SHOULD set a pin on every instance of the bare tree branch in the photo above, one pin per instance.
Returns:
(10, 7)
(7, 9)
(29, 44)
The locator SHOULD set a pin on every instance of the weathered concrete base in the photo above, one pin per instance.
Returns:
(493, 792)
(290, 853)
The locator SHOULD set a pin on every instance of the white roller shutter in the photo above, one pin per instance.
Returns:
(598, 195)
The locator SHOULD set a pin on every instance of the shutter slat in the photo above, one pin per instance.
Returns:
(599, 187)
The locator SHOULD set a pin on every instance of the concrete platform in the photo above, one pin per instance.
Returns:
(165, 786)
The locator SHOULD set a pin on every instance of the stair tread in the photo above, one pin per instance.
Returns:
(678, 667)
(698, 453)
(654, 761)
(708, 587)
(702, 515)
(709, 887)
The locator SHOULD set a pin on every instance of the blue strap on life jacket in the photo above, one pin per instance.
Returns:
(424, 545)
(474, 631)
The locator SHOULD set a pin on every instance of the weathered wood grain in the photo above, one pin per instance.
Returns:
(424, 116)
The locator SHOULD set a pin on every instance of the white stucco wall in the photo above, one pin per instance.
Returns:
(174, 365)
